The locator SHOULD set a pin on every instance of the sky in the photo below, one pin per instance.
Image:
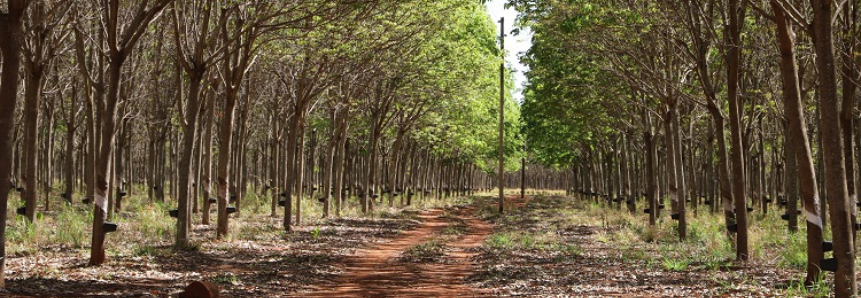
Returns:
(515, 45)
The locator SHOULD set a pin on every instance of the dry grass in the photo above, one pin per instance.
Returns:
(144, 223)
(611, 240)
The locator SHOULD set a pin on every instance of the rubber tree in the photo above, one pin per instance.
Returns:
(800, 144)
(41, 45)
(11, 39)
(699, 21)
(835, 168)
(304, 79)
(237, 34)
(121, 40)
(71, 115)
(735, 14)
(195, 34)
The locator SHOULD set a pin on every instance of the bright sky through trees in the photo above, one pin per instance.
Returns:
(515, 45)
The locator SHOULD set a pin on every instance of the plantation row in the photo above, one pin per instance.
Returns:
(746, 107)
(198, 104)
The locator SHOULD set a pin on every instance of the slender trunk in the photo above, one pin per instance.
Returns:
(48, 169)
(760, 169)
(708, 175)
(835, 170)
(682, 191)
(626, 194)
(690, 175)
(791, 193)
(310, 176)
(241, 153)
(224, 152)
(69, 189)
(426, 173)
(89, 164)
(414, 170)
(11, 35)
(800, 144)
(159, 164)
(393, 165)
(652, 181)
(290, 171)
(206, 150)
(850, 77)
(189, 146)
(32, 96)
(733, 74)
(300, 168)
(340, 164)
(114, 202)
(274, 163)
(671, 169)
(652, 193)
(103, 166)
(328, 164)
(370, 182)
(197, 159)
(522, 177)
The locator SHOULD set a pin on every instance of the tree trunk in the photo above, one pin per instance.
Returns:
(119, 167)
(197, 159)
(682, 190)
(273, 165)
(800, 143)
(69, 170)
(393, 165)
(652, 181)
(103, 166)
(760, 169)
(32, 96)
(207, 159)
(290, 170)
(791, 193)
(370, 182)
(340, 165)
(835, 171)
(189, 146)
(241, 168)
(850, 77)
(300, 168)
(328, 165)
(90, 163)
(733, 69)
(48, 168)
(708, 175)
(224, 152)
(11, 36)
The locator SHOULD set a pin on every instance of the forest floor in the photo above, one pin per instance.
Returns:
(49, 258)
(561, 247)
(543, 246)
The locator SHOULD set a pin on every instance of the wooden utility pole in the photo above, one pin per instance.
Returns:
(499, 173)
